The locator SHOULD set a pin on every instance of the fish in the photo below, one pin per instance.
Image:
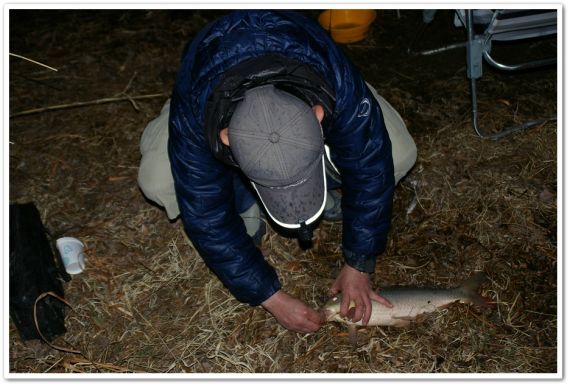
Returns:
(409, 303)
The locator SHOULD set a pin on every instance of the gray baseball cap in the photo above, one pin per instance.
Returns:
(277, 142)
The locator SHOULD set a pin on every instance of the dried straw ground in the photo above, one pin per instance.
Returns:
(147, 303)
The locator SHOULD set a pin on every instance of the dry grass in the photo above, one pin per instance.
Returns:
(147, 303)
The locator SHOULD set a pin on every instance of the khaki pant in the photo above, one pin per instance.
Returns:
(155, 176)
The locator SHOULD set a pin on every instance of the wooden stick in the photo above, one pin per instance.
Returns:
(88, 103)
(33, 61)
(75, 361)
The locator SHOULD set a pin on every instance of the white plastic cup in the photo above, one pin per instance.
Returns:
(71, 251)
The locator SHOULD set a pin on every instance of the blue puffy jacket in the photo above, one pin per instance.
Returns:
(211, 193)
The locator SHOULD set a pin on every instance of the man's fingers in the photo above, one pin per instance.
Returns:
(367, 312)
(313, 321)
(322, 316)
(364, 311)
(334, 290)
(316, 317)
(359, 311)
(380, 299)
(344, 305)
(358, 307)
(310, 326)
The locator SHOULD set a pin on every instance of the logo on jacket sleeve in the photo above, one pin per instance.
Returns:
(364, 108)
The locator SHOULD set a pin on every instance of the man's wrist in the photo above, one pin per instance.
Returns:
(273, 300)
(361, 262)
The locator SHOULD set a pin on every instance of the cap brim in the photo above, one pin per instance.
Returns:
(292, 205)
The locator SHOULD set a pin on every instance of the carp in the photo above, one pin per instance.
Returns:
(409, 303)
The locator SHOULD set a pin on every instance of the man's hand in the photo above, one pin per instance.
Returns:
(292, 313)
(355, 288)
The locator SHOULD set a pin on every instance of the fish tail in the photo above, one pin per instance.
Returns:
(470, 289)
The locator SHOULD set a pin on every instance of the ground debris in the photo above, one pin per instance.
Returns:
(147, 303)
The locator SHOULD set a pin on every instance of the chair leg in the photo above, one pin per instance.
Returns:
(474, 72)
(502, 133)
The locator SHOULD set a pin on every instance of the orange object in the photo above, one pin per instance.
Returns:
(347, 25)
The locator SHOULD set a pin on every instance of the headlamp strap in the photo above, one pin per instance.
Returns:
(305, 233)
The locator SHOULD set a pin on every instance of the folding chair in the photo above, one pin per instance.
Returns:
(503, 25)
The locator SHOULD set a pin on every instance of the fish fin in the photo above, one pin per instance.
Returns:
(470, 289)
(353, 336)
(401, 321)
